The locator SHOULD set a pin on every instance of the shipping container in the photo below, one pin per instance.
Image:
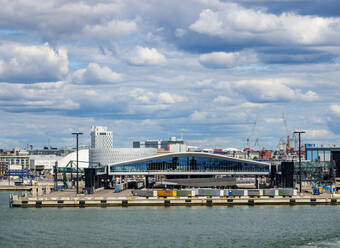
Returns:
(143, 193)
(234, 192)
(209, 192)
(121, 187)
(286, 192)
(184, 193)
(269, 192)
(135, 184)
(166, 193)
(254, 192)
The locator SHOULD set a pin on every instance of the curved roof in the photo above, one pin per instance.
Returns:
(186, 154)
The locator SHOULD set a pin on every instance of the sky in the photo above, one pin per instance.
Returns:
(150, 69)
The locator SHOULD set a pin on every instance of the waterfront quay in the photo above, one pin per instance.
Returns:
(106, 198)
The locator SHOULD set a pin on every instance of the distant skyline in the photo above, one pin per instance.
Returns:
(149, 69)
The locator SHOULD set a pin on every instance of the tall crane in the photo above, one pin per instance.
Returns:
(289, 139)
(182, 133)
(252, 132)
(287, 131)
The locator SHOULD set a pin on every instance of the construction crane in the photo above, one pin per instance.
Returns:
(289, 139)
(287, 132)
(252, 132)
(258, 144)
(182, 134)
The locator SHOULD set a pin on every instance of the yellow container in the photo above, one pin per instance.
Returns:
(166, 193)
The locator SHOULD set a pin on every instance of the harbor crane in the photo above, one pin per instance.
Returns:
(290, 139)
(252, 134)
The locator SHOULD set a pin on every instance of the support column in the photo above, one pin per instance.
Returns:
(147, 182)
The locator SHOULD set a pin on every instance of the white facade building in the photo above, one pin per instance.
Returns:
(103, 153)
(46, 162)
(107, 156)
(101, 138)
(171, 145)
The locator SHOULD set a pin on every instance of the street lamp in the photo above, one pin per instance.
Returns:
(77, 138)
(300, 171)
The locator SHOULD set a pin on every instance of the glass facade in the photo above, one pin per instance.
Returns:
(314, 171)
(190, 164)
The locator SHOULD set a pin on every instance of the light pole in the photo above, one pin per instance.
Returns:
(77, 138)
(300, 171)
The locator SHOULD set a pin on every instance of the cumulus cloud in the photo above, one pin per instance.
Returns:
(335, 108)
(95, 74)
(226, 60)
(166, 97)
(318, 133)
(111, 29)
(199, 115)
(146, 56)
(235, 23)
(222, 99)
(180, 32)
(36, 97)
(26, 64)
(271, 90)
(60, 19)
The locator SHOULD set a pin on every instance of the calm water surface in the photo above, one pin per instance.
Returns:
(298, 226)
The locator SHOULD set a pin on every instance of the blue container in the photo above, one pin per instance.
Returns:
(59, 187)
(118, 188)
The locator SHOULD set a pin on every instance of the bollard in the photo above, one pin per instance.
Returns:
(60, 203)
(34, 191)
(38, 204)
(81, 203)
(10, 200)
(24, 204)
(48, 190)
(40, 191)
(125, 203)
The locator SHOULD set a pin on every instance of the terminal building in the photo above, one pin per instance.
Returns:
(189, 163)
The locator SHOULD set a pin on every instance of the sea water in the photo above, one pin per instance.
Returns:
(246, 226)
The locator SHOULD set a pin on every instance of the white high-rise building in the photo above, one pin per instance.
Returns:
(101, 138)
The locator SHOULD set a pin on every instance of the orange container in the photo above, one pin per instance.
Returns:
(166, 193)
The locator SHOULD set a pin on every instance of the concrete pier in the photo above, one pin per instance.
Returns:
(81, 202)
